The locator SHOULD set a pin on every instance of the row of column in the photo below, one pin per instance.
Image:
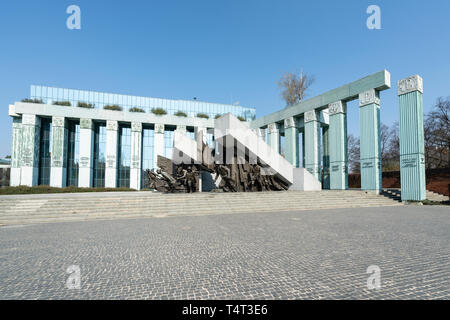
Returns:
(26, 143)
(334, 159)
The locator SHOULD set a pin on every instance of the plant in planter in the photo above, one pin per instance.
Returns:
(217, 116)
(202, 115)
(241, 118)
(62, 103)
(81, 104)
(181, 114)
(32, 100)
(136, 109)
(159, 111)
(113, 107)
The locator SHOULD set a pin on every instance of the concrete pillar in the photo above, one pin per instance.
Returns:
(31, 130)
(136, 153)
(16, 153)
(158, 143)
(312, 143)
(86, 154)
(326, 158)
(58, 170)
(112, 128)
(273, 135)
(337, 137)
(291, 141)
(370, 150)
(412, 157)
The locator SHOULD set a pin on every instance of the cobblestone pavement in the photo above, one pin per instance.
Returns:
(297, 255)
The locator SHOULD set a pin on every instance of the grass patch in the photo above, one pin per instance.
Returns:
(136, 109)
(202, 115)
(48, 189)
(159, 111)
(32, 100)
(181, 114)
(62, 103)
(85, 105)
(113, 107)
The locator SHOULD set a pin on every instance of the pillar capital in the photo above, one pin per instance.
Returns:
(31, 119)
(136, 126)
(336, 107)
(181, 128)
(290, 123)
(58, 122)
(310, 115)
(159, 128)
(371, 96)
(410, 84)
(86, 123)
(112, 125)
(272, 128)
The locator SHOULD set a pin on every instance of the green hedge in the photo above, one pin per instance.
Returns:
(113, 107)
(217, 116)
(241, 118)
(85, 105)
(181, 114)
(32, 100)
(159, 111)
(47, 189)
(202, 115)
(136, 109)
(62, 103)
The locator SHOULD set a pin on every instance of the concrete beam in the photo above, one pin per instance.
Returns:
(379, 81)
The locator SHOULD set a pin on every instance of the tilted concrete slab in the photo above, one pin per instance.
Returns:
(379, 81)
(230, 126)
(305, 181)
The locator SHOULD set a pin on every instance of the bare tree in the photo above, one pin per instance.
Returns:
(294, 87)
(437, 135)
(353, 147)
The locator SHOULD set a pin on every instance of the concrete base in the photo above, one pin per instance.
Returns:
(304, 181)
(29, 176)
(14, 179)
(85, 177)
(58, 177)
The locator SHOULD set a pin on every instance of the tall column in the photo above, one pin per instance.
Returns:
(16, 148)
(31, 129)
(412, 157)
(58, 170)
(326, 158)
(291, 141)
(273, 136)
(312, 143)
(111, 154)
(136, 152)
(370, 150)
(337, 137)
(158, 143)
(86, 153)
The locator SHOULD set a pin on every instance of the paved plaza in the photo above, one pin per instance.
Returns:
(321, 254)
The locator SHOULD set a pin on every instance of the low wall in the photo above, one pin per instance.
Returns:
(437, 180)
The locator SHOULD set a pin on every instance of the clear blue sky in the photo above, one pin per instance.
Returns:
(220, 50)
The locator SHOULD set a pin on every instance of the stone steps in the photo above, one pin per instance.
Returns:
(20, 210)
(430, 195)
